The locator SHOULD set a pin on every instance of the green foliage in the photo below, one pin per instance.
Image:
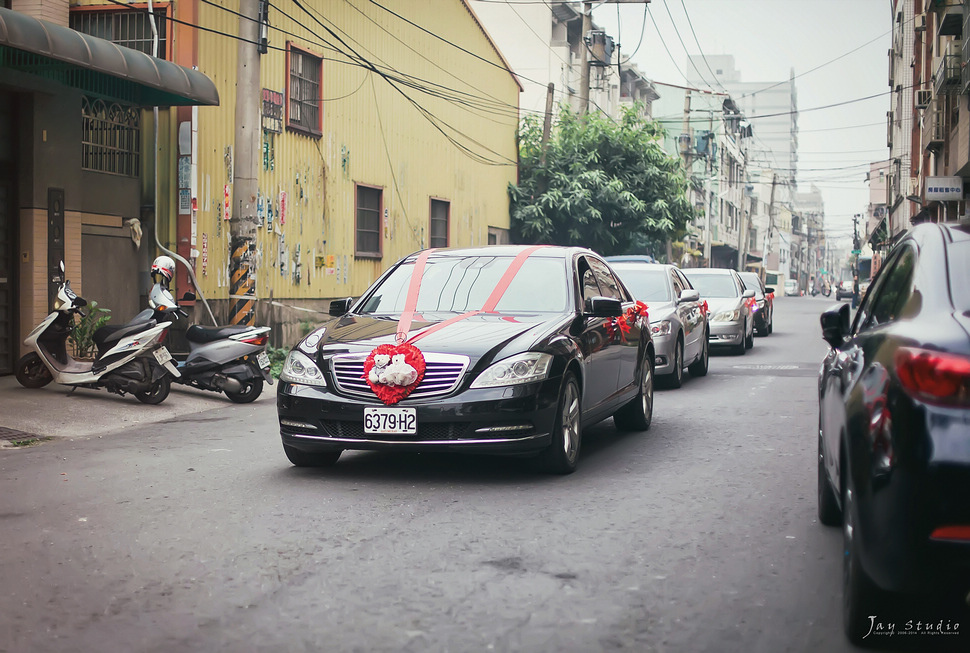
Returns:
(606, 185)
(277, 356)
(82, 337)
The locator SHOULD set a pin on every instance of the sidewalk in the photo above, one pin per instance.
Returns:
(56, 411)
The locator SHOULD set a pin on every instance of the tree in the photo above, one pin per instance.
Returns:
(606, 185)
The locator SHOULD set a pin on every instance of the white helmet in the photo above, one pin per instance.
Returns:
(163, 269)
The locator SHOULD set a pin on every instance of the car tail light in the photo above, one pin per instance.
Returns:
(933, 376)
(953, 533)
(259, 341)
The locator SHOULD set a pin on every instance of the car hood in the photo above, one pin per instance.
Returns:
(491, 336)
(718, 304)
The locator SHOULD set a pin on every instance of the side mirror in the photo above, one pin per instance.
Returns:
(747, 294)
(340, 307)
(189, 296)
(769, 289)
(603, 307)
(835, 325)
(689, 295)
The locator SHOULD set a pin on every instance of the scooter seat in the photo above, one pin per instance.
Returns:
(202, 334)
(106, 336)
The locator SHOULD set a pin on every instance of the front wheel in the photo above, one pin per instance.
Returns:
(32, 373)
(250, 391)
(563, 453)
(157, 393)
(676, 378)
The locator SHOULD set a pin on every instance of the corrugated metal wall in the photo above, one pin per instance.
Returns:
(372, 134)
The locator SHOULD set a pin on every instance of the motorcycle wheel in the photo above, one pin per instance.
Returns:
(32, 373)
(157, 393)
(251, 389)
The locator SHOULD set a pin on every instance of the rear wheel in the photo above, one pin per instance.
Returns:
(301, 458)
(157, 393)
(250, 391)
(771, 321)
(699, 367)
(861, 597)
(637, 415)
(563, 453)
(32, 373)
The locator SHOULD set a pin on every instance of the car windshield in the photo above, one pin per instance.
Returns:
(713, 285)
(456, 285)
(648, 285)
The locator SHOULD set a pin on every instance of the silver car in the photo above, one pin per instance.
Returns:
(678, 323)
(729, 305)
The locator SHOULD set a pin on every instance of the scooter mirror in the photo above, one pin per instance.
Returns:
(189, 296)
(62, 266)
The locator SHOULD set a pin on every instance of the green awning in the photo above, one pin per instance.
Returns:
(96, 66)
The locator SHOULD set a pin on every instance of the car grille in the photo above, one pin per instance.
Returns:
(440, 431)
(442, 374)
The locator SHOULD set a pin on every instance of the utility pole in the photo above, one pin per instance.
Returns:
(547, 121)
(584, 47)
(243, 223)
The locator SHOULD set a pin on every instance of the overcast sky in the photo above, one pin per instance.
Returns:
(837, 49)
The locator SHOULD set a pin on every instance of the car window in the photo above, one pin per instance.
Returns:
(587, 281)
(753, 282)
(646, 284)
(675, 281)
(684, 281)
(453, 284)
(894, 290)
(714, 285)
(605, 279)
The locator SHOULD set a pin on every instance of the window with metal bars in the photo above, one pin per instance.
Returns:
(303, 91)
(131, 29)
(368, 227)
(110, 137)
(438, 230)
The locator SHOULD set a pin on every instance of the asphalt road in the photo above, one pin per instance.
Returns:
(195, 534)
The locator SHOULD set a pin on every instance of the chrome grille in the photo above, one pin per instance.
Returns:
(442, 374)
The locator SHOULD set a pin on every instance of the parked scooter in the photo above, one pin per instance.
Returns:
(229, 359)
(131, 357)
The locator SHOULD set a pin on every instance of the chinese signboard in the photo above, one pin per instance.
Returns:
(272, 112)
(944, 189)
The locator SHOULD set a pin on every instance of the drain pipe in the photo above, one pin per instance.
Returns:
(158, 243)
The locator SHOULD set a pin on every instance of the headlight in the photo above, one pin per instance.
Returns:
(298, 368)
(727, 316)
(660, 328)
(524, 368)
(309, 344)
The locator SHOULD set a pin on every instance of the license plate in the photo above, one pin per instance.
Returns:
(162, 355)
(262, 360)
(396, 421)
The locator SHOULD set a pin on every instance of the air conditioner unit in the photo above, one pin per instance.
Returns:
(919, 23)
(923, 98)
(913, 186)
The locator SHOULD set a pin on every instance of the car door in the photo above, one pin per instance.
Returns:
(595, 341)
(626, 344)
(856, 376)
(690, 317)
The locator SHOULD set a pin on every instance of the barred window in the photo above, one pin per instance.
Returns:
(131, 29)
(368, 227)
(303, 91)
(110, 137)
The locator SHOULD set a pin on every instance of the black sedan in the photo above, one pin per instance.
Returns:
(894, 427)
(763, 305)
(500, 349)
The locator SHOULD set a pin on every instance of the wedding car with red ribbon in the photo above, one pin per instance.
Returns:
(499, 349)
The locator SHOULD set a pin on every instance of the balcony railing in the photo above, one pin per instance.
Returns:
(947, 76)
(934, 126)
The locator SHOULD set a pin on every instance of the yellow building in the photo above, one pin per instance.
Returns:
(382, 128)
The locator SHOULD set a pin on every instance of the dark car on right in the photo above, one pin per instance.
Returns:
(894, 428)
(764, 303)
